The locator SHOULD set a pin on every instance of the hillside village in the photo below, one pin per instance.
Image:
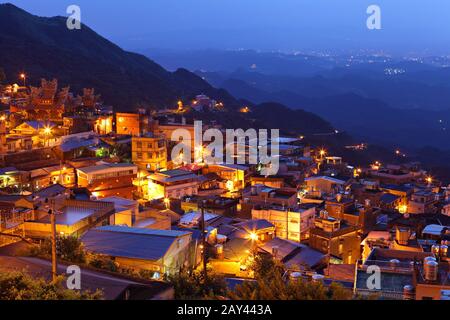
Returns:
(72, 167)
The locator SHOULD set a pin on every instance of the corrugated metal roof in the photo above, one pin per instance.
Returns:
(255, 224)
(127, 242)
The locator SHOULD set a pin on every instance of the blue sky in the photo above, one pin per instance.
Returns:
(407, 25)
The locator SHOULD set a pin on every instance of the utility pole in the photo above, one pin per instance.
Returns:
(53, 227)
(203, 238)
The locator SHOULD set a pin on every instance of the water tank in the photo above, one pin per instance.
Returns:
(394, 263)
(444, 251)
(318, 278)
(409, 293)
(295, 276)
(431, 270)
(436, 249)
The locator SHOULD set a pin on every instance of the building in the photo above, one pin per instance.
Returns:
(16, 144)
(293, 255)
(44, 102)
(234, 175)
(397, 272)
(73, 218)
(292, 225)
(422, 202)
(335, 238)
(104, 124)
(78, 145)
(319, 185)
(42, 133)
(149, 152)
(392, 174)
(431, 278)
(159, 251)
(44, 177)
(174, 184)
(133, 124)
(126, 210)
(215, 204)
(108, 179)
(262, 195)
(275, 182)
(233, 258)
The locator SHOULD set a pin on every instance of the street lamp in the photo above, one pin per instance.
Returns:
(322, 153)
(47, 133)
(167, 202)
(253, 236)
(23, 76)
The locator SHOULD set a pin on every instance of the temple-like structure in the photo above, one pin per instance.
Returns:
(48, 103)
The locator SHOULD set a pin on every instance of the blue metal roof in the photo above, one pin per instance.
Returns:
(152, 232)
(117, 241)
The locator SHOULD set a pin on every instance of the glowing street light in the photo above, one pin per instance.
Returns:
(47, 132)
(429, 180)
(403, 209)
(23, 76)
(167, 202)
(253, 236)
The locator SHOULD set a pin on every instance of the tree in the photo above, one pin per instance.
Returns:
(270, 284)
(70, 249)
(192, 285)
(21, 286)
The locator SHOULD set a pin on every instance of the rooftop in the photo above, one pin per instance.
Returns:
(106, 167)
(117, 241)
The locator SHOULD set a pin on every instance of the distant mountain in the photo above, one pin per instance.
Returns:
(371, 119)
(246, 60)
(45, 48)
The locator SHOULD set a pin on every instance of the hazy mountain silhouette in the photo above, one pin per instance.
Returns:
(46, 48)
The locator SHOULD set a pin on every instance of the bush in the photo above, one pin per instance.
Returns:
(68, 248)
(270, 284)
(21, 286)
(192, 285)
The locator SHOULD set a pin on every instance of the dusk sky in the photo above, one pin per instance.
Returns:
(407, 25)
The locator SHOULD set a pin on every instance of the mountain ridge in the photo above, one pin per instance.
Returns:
(45, 48)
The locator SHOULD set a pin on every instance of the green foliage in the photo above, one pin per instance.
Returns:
(21, 286)
(192, 285)
(271, 285)
(264, 265)
(69, 249)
